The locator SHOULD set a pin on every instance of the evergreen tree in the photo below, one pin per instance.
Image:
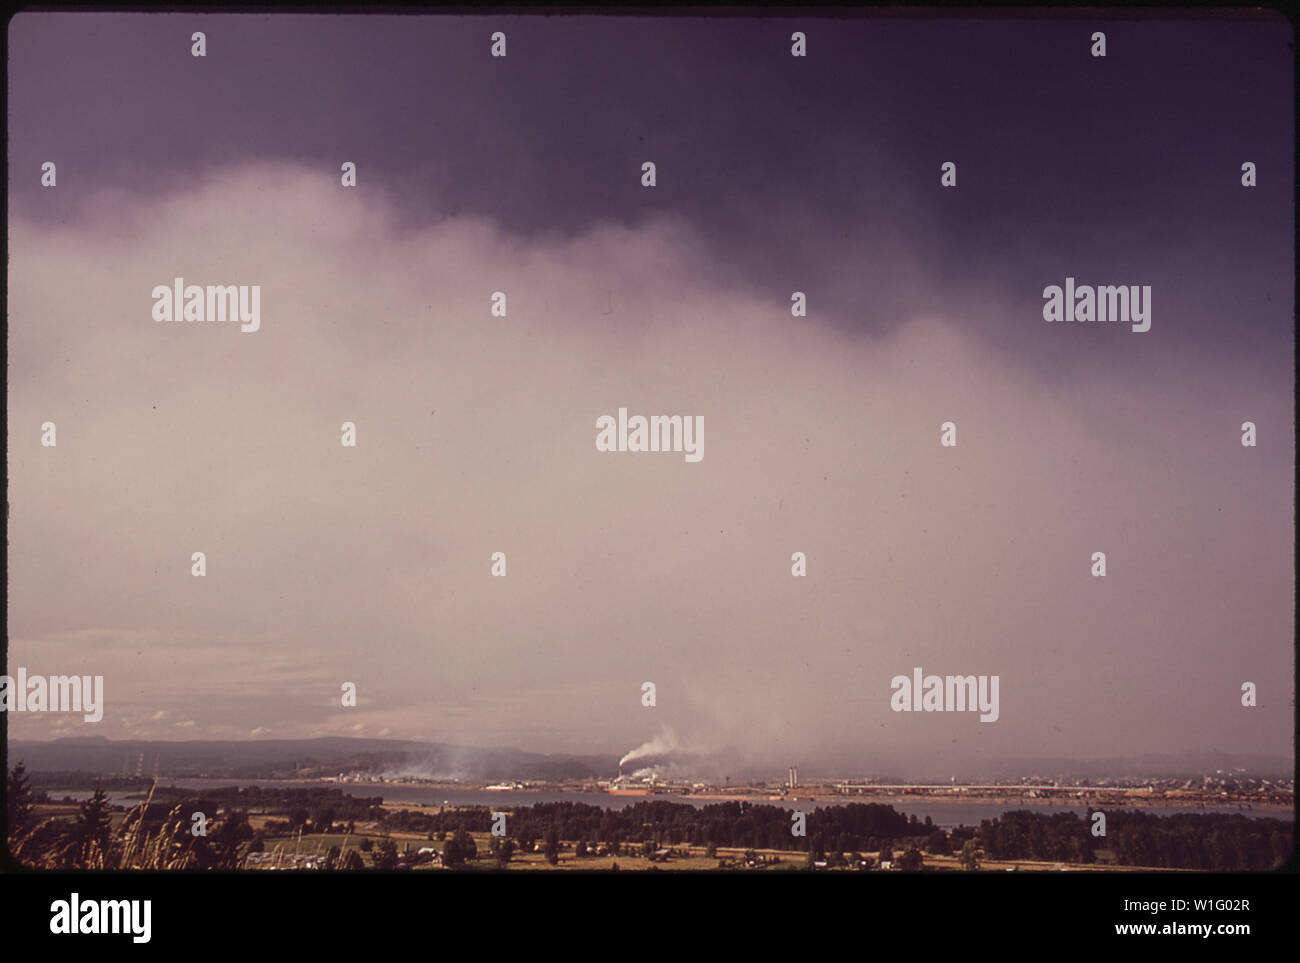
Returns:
(504, 852)
(385, 856)
(970, 854)
(911, 860)
(18, 799)
(468, 848)
(459, 849)
(353, 861)
(91, 828)
(938, 843)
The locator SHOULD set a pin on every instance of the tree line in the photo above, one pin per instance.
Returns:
(738, 824)
(280, 799)
(1208, 841)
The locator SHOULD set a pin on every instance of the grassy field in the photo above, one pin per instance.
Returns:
(697, 860)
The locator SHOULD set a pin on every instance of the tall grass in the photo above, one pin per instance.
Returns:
(169, 846)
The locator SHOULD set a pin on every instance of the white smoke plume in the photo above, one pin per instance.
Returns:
(663, 744)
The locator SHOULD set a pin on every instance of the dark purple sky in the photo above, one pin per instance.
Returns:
(775, 174)
(1126, 166)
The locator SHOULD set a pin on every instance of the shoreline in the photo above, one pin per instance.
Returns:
(1111, 798)
(892, 795)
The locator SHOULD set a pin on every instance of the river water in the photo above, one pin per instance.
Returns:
(942, 812)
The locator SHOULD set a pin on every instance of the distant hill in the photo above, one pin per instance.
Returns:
(266, 758)
(308, 757)
(1160, 765)
(939, 767)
